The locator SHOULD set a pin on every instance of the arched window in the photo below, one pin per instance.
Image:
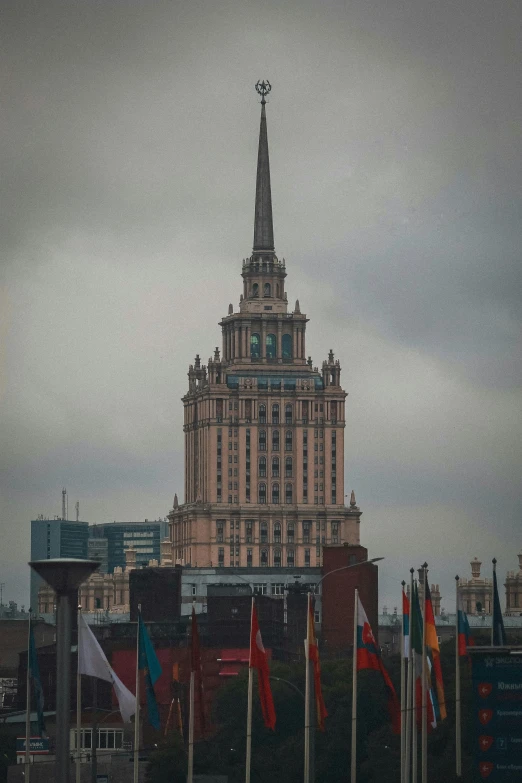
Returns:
(263, 533)
(277, 532)
(288, 493)
(288, 414)
(278, 290)
(287, 346)
(290, 532)
(290, 557)
(264, 557)
(262, 466)
(275, 414)
(288, 440)
(275, 493)
(275, 440)
(267, 290)
(262, 440)
(262, 493)
(288, 467)
(277, 558)
(262, 414)
(271, 343)
(255, 346)
(275, 467)
(255, 290)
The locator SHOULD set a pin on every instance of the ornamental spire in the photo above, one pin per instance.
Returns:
(263, 225)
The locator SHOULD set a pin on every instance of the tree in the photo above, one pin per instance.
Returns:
(168, 764)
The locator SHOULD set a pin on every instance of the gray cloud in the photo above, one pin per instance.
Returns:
(128, 163)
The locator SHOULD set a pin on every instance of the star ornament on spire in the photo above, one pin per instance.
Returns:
(263, 88)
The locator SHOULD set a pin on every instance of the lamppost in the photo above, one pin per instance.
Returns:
(309, 740)
(64, 575)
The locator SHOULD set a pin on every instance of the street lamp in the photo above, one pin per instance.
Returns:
(345, 568)
(64, 575)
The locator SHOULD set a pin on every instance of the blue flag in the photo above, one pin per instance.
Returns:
(36, 683)
(148, 662)
(499, 634)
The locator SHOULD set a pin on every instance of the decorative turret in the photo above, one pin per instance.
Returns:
(475, 568)
(331, 371)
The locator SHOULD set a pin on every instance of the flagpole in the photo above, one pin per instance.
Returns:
(424, 682)
(192, 682)
(137, 708)
(403, 701)
(409, 690)
(249, 708)
(27, 764)
(494, 561)
(307, 696)
(190, 765)
(354, 692)
(414, 729)
(458, 729)
(78, 697)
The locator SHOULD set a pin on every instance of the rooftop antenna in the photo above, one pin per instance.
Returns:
(64, 503)
(77, 510)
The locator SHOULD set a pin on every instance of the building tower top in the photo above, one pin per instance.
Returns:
(263, 224)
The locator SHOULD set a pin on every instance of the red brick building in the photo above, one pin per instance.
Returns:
(338, 592)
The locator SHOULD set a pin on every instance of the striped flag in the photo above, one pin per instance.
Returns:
(498, 636)
(258, 660)
(432, 644)
(369, 657)
(313, 654)
(464, 635)
(405, 625)
(416, 643)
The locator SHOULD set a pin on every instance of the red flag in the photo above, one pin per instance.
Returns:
(313, 654)
(195, 666)
(258, 660)
(369, 657)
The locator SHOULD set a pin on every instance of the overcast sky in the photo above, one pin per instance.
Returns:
(129, 139)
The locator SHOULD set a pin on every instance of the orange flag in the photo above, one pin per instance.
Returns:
(313, 654)
(258, 660)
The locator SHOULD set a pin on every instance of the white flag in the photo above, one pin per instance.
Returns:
(92, 661)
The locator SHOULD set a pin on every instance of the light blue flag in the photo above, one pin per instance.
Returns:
(148, 662)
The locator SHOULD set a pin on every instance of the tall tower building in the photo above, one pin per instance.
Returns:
(264, 428)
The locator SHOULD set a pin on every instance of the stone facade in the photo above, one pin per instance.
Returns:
(264, 429)
(513, 587)
(476, 592)
(101, 592)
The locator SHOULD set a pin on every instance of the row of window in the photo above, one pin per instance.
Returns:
(270, 346)
(264, 557)
(276, 499)
(262, 440)
(267, 290)
(275, 413)
(277, 532)
(108, 739)
(262, 464)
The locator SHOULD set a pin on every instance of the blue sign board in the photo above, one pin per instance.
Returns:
(497, 715)
(37, 745)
